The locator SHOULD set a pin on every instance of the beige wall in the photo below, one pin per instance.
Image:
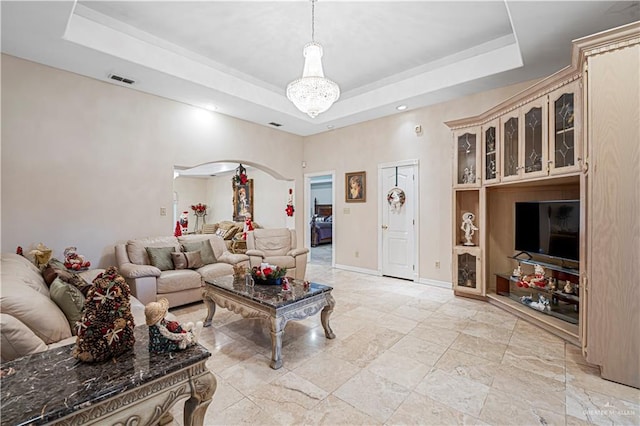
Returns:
(391, 139)
(90, 164)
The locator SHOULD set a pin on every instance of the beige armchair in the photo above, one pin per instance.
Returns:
(277, 247)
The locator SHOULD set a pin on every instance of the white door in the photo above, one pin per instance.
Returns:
(398, 200)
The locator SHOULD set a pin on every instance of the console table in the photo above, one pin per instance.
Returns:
(136, 388)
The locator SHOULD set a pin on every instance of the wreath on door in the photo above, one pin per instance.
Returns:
(396, 199)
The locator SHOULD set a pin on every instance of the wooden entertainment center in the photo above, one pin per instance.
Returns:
(571, 136)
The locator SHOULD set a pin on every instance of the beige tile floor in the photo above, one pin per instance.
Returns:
(404, 353)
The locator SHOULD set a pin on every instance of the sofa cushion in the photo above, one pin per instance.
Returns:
(205, 249)
(17, 339)
(160, 257)
(12, 257)
(69, 299)
(178, 280)
(29, 277)
(187, 260)
(215, 270)
(282, 261)
(36, 310)
(136, 249)
(273, 242)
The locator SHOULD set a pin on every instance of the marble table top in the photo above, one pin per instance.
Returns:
(270, 295)
(50, 385)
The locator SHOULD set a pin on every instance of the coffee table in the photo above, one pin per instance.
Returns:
(270, 302)
(52, 387)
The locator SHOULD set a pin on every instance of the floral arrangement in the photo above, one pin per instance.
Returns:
(266, 272)
(199, 209)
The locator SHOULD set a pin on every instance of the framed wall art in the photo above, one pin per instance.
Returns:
(243, 201)
(355, 189)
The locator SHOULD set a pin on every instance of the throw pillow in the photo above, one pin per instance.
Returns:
(187, 260)
(49, 274)
(220, 232)
(160, 257)
(70, 301)
(205, 249)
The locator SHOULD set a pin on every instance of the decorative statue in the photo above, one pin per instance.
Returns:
(468, 227)
(168, 336)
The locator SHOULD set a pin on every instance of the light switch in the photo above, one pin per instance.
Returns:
(163, 211)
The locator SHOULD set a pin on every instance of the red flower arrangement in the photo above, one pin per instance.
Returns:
(199, 209)
(267, 272)
(240, 178)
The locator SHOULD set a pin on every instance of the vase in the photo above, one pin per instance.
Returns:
(268, 281)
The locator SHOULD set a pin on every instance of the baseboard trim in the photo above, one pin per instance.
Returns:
(356, 269)
(435, 283)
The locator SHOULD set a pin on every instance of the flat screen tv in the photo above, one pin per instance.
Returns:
(550, 228)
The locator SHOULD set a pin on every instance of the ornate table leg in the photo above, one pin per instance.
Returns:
(277, 329)
(211, 308)
(325, 314)
(202, 390)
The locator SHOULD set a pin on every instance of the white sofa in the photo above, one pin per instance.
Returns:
(277, 247)
(30, 321)
(148, 283)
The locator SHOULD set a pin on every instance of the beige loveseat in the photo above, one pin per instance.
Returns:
(179, 286)
(30, 321)
(277, 247)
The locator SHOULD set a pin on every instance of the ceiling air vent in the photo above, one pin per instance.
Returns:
(121, 79)
(275, 124)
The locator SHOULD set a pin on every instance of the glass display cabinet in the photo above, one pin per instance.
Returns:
(564, 125)
(534, 152)
(467, 154)
(490, 157)
(467, 271)
(510, 145)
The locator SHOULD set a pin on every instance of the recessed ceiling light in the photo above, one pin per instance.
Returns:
(401, 107)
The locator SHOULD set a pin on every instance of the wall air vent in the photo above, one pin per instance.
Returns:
(121, 79)
(275, 124)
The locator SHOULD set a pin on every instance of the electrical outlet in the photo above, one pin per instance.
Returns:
(437, 264)
(357, 254)
(163, 211)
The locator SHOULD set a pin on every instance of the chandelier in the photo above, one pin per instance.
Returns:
(313, 93)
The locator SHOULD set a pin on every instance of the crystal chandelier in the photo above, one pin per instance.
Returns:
(313, 93)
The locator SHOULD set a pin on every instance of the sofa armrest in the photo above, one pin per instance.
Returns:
(233, 258)
(254, 252)
(131, 270)
(298, 251)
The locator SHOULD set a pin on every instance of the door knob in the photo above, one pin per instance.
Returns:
(384, 226)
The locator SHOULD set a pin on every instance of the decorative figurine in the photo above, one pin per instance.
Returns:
(568, 287)
(168, 336)
(542, 304)
(468, 227)
(517, 272)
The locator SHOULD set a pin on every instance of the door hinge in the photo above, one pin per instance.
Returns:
(414, 222)
(414, 267)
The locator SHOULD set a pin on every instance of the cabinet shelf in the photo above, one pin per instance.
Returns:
(552, 266)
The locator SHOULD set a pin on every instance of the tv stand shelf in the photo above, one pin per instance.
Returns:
(567, 270)
(564, 306)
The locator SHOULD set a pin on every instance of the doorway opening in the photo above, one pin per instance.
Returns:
(319, 217)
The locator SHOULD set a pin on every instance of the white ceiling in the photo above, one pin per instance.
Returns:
(238, 56)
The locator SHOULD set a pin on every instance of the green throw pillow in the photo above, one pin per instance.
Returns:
(70, 301)
(187, 260)
(160, 257)
(204, 247)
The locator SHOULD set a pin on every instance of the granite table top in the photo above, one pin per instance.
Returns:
(46, 386)
(270, 295)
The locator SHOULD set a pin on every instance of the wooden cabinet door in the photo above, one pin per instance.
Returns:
(533, 139)
(565, 125)
(467, 158)
(467, 272)
(510, 144)
(490, 152)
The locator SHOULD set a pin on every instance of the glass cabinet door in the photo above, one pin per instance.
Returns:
(467, 155)
(510, 157)
(490, 150)
(468, 278)
(534, 153)
(563, 129)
